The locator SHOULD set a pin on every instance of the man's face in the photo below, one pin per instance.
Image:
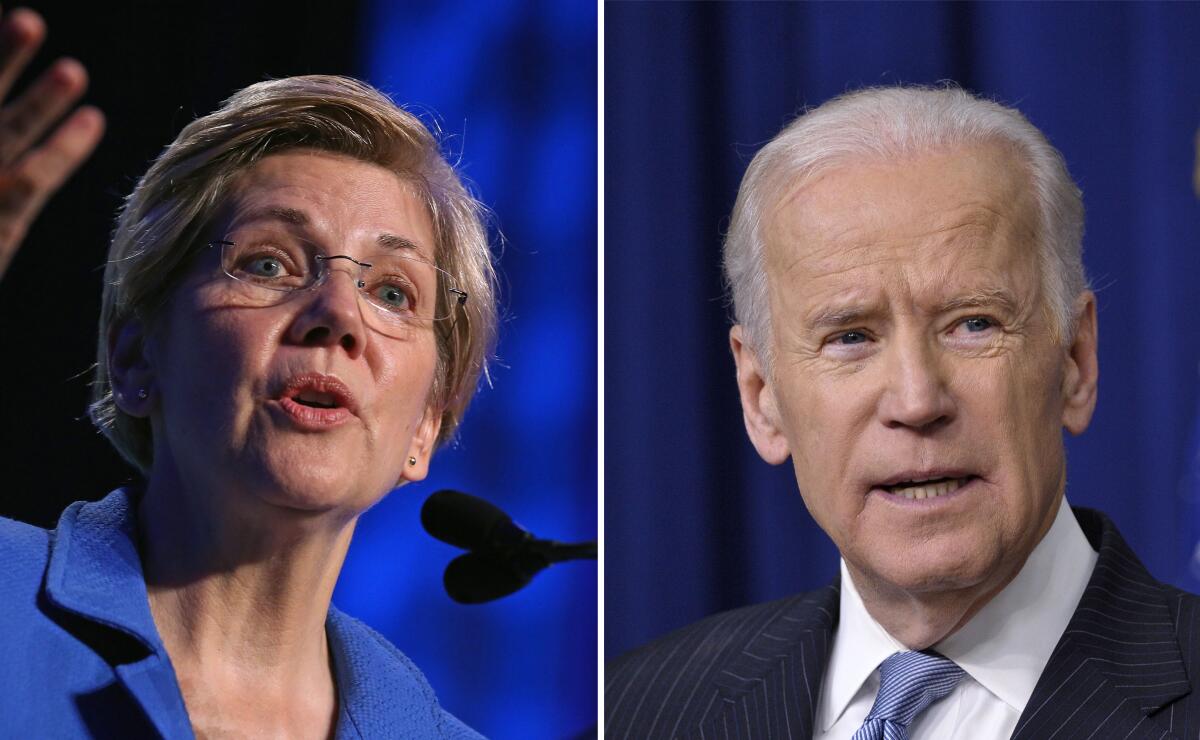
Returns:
(911, 343)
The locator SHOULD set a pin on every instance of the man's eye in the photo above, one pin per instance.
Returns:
(850, 337)
(977, 324)
(265, 267)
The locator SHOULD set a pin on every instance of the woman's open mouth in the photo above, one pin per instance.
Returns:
(308, 415)
(316, 401)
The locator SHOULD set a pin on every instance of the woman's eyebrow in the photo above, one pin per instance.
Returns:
(292, 216)
(394, 241)
(297, 217)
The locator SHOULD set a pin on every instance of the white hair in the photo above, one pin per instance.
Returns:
(886, 123)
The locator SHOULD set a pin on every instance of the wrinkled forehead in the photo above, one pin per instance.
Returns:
(962, 209)
(321, 195)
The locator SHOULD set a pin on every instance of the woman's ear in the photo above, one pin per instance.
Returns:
(129, 369)
(420, 450)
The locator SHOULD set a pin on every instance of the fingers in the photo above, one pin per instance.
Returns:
(25, 187)
(31, 171)
(21, 33)
(53, 162)
(25, 121)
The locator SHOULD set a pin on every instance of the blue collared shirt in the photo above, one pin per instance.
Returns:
(80, 655)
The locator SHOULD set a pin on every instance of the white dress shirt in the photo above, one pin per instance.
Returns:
(1003, 649)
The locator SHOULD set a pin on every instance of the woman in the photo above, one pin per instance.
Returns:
(298, 304)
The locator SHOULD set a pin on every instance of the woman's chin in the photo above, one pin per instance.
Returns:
(312, 489)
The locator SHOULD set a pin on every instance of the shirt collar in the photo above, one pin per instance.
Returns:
(1005, 647)
(860, 644)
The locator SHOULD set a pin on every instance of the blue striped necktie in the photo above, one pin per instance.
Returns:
(908, 683)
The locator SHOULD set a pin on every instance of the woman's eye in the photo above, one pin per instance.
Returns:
(393, 296)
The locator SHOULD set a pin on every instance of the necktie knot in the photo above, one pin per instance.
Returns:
(908, 683)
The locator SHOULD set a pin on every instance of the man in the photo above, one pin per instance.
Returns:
(914, 330)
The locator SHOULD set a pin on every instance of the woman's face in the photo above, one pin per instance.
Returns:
(301, 402)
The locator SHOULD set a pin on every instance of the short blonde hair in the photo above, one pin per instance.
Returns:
(162, 224)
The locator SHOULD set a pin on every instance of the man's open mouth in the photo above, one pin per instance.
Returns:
(927, 488)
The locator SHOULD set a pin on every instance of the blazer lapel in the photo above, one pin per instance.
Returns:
(1118, 661)
(94, 589)
(770, 686)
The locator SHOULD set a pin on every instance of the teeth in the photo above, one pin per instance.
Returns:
(315, 398)
(928, 490)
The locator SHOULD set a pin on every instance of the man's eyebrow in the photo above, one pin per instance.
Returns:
(980, 298)
(836, 316)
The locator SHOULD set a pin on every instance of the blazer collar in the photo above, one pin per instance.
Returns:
(95, 571)
(95, 577)
(382, 693)
(1119, 660)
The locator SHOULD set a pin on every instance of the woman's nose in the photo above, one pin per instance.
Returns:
(331, 314)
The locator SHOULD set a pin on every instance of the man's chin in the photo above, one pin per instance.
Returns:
(928, 568)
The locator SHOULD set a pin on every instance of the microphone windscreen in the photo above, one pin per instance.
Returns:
(473, 579)
(460, 519)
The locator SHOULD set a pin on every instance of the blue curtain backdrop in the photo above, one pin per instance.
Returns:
(513, 87)
(695, 522)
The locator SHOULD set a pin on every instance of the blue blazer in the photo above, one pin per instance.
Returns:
(81, 656)
(1120, 669)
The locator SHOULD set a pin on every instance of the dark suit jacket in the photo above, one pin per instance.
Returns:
(1120, 669)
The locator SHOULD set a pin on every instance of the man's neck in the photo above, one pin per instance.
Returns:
(921, 619)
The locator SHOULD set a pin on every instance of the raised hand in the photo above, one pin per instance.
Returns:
(36, 155)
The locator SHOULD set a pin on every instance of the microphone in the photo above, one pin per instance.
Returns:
(503, 557)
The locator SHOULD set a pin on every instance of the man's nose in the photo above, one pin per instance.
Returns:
(916, 395)
(332, 314)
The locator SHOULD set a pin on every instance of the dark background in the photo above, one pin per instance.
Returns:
(513, 87)
(695, 522)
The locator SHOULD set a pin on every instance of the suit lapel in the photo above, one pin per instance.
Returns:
(1118, 661)
(769, 687)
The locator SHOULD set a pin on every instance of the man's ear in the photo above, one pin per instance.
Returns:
(760, 409)
(420, 450)
(1083, 370)
(130, 370)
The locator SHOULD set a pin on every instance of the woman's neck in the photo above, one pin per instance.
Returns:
(239, 590)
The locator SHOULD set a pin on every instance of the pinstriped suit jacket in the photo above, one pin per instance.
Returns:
(1120, 669)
